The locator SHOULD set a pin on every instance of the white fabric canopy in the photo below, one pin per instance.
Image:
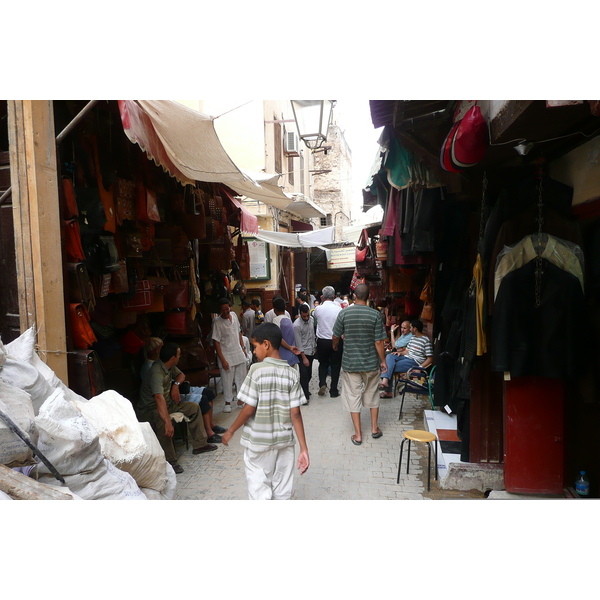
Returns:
(308, 239)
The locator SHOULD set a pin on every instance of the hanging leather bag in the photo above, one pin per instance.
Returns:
(146, 205)
(427, 291)
(142, 297)
(177, 294)
(73, 246)
(427, 312)
(125, 200)
(81, 289)
(176, 322)
(365, 258)
(81, 330)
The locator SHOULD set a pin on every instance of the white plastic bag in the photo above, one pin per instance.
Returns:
(16, 404)
(113, 417)
(148, 470)
(65, 437)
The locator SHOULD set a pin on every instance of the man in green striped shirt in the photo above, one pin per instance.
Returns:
(270, 417)
(363, 359)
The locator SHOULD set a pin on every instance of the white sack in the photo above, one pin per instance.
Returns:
(3, 353)
(66, 438)
(105, 482)
(169, 492)
(148, 470)
(23, 350)
(28, 379)
(113, 417)
(4, 496)
(16, 404)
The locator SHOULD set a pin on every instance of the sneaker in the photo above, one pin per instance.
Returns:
(227, 407)
(177, 467)
(322, 390)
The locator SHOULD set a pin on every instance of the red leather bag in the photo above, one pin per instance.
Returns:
(177, 294)
(146, 205)
(73, 246)
(82, 332)
(142, 298)
(176, 322)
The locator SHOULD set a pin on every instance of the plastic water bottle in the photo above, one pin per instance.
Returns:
(582, 485)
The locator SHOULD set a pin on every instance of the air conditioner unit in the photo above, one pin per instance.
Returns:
(292, 144)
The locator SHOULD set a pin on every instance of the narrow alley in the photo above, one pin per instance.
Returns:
(339, 470)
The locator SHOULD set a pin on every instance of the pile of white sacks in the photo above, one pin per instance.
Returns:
(97, 445)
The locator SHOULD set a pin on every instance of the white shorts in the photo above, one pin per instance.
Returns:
(270, 474)
(360, 389)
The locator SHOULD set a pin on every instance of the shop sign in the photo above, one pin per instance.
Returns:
(342, 258)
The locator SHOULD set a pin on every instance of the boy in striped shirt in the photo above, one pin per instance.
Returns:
(270, 416)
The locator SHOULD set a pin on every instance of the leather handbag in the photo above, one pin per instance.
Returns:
(107, 196)
(427, 291)
(365, 258)
(120, 282)
(86, 373)
(125, 200)
(73, 246)
(146, 205)
(427, 312)
(176, 322)
(70, 202)
(141, 299)
(81, 289)
(177, 294)
(81, 330)
(131, 342)
(193, 356)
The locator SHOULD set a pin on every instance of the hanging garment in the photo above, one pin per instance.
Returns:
(479, 303)
(561, 253)
(546, 341)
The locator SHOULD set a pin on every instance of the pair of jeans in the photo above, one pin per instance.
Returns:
(397, 364)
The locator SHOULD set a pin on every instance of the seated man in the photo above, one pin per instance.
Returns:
(203, 396)
(401, 341)
(418, 353)
(159, 397)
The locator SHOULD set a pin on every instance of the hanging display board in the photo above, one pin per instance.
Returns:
(342, 258)
(260, 262)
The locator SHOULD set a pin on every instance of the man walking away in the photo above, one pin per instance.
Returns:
(306, 341)
(362, 361)
(325, 315)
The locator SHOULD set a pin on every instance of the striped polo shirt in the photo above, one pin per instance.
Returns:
(273, 387)
(419, 348)
(361, 327)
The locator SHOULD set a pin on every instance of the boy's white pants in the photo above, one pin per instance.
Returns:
(270, 474)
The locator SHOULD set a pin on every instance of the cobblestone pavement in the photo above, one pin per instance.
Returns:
(339, 470)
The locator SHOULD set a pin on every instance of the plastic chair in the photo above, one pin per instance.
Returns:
(180, 422)
(418, 381)
(417, 435)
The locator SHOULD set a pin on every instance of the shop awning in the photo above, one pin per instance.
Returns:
(248, 221)
(304, 207)
(308, 239)
(181, 140)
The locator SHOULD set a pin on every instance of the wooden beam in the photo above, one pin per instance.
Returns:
(21, 487)
(37, 226)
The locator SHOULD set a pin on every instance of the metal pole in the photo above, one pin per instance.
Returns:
(61, 136)
(16, 429)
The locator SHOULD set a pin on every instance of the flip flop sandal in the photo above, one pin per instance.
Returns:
(377, 435)
(386, 395)
(383, 387)
(355, 442)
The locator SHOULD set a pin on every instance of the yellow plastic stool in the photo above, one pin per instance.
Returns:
(417, 435)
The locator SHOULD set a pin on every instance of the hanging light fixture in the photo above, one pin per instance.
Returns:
(524, 147)
(312, 120)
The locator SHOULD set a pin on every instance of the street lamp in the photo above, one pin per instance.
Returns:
(312, 120)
